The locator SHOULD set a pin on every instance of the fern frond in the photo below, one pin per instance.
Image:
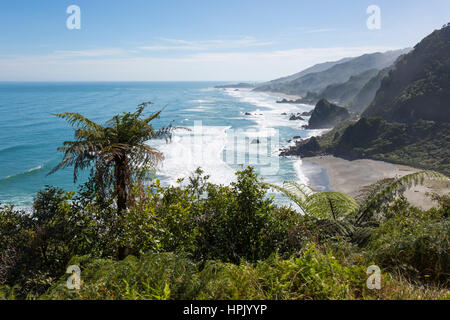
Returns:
(392, 190)
(76, 119)
(291, 194)
(333, 205)
(320, 205)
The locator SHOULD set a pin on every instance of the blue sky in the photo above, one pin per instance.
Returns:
(164, 40)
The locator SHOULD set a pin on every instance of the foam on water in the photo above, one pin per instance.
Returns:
(200, 147)
(29, 150)
(272, 116)
(302, 178)
(276, 115)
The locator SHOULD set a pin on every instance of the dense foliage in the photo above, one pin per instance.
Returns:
(418, 87)
(116, 153)
(327, 115)
(423, 144)
(205, 241)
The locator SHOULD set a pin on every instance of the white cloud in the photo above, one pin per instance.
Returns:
(220, 66)
(167, 44)
(89, 53)
(319, 30)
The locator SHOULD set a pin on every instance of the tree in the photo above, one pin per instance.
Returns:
(116, 153)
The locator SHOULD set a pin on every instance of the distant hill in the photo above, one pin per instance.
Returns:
(419, 85)
(242, 85)
(343, 93)
(412, 113)
(316, 68)
(340, 72)
(367, 93)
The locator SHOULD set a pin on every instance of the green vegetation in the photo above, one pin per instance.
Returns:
(115, 153)
(367, 93)
(408, 120)
(418, 87)
(199, 240)
(204, 241)
(327, 115)
(423, 144)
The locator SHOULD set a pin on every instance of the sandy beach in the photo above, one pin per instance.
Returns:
(350, 176)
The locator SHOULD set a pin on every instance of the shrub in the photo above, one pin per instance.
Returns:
(227, 223)
(311, 275)
(36, 246)
(414, 242)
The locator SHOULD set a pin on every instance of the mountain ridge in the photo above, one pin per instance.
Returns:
(408, 121)
(335, 74)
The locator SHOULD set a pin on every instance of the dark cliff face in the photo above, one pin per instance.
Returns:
(327, 115)
(408, 121)
(418, 87)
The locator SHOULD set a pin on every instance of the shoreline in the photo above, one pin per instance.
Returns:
(282, 95)
(351, 176)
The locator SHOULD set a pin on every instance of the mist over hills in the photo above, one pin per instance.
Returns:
(407, 122)
(343, 93)
(367, 93)
(319, 77)
(316, 68)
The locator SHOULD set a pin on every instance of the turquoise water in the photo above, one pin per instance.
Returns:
(29, 134)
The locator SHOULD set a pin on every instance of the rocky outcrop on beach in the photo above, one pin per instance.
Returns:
(289, 101)
(304, 148)
(408, 120)
(327, 115)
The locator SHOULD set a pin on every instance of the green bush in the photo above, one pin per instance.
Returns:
(311, 275)
(35, 247)
(206, 241)
(414, 242)
(227, 223)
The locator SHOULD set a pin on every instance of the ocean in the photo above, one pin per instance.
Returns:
(228, 130)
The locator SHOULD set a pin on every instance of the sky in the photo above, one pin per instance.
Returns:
(200, 40)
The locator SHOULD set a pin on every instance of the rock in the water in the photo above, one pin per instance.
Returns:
(290, 101)
(296, 117)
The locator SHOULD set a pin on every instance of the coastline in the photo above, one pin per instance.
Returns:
(337, 174)
(351, 176)
(281, 95)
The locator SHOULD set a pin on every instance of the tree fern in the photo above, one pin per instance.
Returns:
(333, 205)
(387, 193)
(340, 214)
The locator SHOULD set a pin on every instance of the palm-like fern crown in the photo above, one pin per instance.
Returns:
(122, 138)
(340, 213)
